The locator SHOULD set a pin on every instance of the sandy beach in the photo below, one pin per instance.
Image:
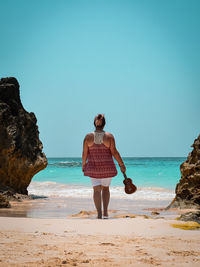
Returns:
(82, 240)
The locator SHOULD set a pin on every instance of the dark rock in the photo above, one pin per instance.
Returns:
(4, 203)
(11, 195)
(190, 216)
(155, 213)
(188, 188)
(21, 155)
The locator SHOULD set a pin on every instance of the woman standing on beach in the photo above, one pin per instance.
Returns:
(98, 152)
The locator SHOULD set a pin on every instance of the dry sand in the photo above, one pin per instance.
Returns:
(90, 242)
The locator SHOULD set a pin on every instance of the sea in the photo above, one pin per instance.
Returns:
(155, 178)
(61, 190)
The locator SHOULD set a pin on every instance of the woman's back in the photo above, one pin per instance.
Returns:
(100, 162)
(99, 137)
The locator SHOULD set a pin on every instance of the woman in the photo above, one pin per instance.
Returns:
(99, 150)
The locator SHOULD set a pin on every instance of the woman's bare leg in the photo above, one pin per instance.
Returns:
(97, 200)
(106, 199)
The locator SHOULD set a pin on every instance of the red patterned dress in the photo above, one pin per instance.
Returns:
(100, 163)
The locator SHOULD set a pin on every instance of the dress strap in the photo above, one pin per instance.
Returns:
(98, 137)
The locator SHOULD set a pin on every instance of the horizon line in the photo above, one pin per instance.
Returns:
(124, 157)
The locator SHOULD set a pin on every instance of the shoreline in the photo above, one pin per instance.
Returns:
(60, 207)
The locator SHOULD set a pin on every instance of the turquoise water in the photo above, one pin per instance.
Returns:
(145, 172)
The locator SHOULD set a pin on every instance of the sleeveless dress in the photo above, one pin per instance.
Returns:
(100, 162)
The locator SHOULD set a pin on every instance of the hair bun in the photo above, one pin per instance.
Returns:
(99, 116)
(101, 119)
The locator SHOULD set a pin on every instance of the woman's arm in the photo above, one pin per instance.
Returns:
(85, 153)
(116, 154)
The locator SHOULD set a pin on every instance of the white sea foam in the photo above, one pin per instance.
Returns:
(53, 189)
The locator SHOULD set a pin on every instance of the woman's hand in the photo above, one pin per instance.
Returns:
(83, 167)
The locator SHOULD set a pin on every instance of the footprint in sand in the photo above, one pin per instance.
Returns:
(107, 244)
(86, 261)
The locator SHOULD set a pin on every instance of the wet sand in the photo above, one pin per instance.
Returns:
(61, 207)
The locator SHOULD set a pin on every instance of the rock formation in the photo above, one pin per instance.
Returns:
(4, 203)
(188, 188)
(190, 216)
(21, 154)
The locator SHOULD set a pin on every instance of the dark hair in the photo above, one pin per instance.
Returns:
(100, 117)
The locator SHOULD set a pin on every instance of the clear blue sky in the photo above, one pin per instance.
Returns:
(138, 62)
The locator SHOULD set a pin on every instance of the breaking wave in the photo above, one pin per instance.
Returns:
(53, 189)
